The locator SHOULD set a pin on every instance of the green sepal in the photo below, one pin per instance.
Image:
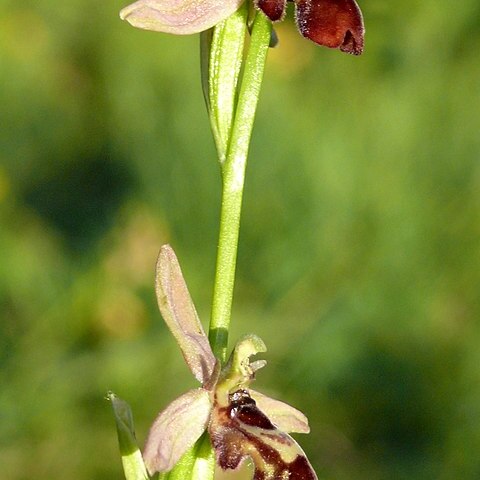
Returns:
(132, 460)
(221, 60)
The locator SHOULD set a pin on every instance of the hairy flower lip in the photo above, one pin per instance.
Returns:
(330, 23)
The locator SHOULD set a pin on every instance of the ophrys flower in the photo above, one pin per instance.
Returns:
(331, 23)
(241, 422)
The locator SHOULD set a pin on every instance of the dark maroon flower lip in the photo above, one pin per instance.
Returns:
(240, 430)
(330, 23)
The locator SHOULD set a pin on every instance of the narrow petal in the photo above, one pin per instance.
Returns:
(181, 17)
(282, 415)
(176, 429)
(180, 315)
(332, 23)
(241, 430)
(273, 9)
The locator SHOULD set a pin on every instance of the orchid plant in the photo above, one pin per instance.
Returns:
(224, 422)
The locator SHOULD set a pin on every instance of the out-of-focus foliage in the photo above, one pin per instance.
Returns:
(359, 258)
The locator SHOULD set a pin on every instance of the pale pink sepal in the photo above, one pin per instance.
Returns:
(176, 429)
(181, 17)
(282, 415)
(180, 315)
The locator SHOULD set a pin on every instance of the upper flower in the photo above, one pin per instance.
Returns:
(241, 422)
(331, 23)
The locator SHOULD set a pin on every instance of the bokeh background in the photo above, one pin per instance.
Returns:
(359, 261)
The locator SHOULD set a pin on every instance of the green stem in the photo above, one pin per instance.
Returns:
(233, 178)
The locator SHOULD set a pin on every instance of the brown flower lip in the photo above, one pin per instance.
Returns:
(241, 429)
(330, 23)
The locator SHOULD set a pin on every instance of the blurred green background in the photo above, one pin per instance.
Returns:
(359, 261)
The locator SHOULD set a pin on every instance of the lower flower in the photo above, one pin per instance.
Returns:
(241, 422)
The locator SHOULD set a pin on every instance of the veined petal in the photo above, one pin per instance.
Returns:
(332, 23)
(181, 17)
(176, 429)
(180, 315)
(281, 414)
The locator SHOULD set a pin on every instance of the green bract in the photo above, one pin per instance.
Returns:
(133, 465)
